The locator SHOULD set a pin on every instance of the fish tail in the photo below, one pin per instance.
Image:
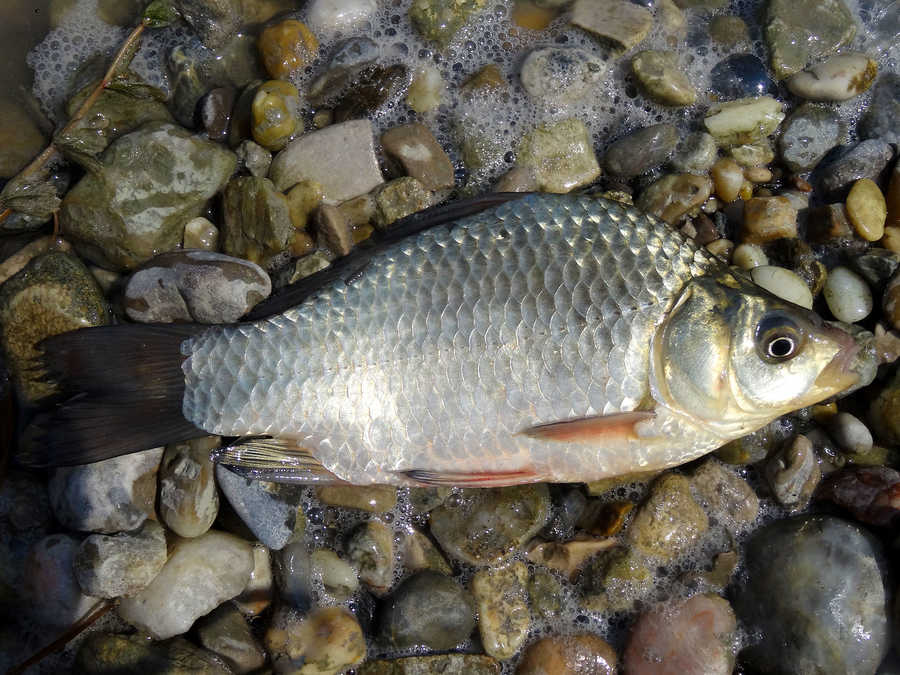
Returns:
(120, 389)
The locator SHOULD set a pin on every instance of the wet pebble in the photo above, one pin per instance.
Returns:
(445, 664)
(767, 219)
(421, 554)
(122, 564)
(725, 494)
(739, 76)
(215, 112)
(53, 595)
(106, 654)
(253, 158)
(641, 150)
(439, 20)
(399, 198)
(286, 47)
(615, 580)
(866, 159)
(796, 36)
(371, 498)
(743, 121)
(867, 209)
(784, 283)
(275, 114)
(728, 178)
(188, 498)
(847, 294)
(880, 118)
(670, 522)
(370, 547)
(870, 493)
(748, 256)
(837, 79)
(625, 24)
(850, 433)
(673, 196)
(200, 233)
(257, 225)
(293, 576)
(501, 598)
(581, 654)
(563, 74)
(339, 578)
(696, 153)
(330, 15)
(561, 154)
(257, 594)
(890, 303)
(793, 473)
(225, 632)
(807, 135)
(333, 230)
(659, 73)
(20, 138)
(877, 266)
(324, 642)
(728, 29)
(421, 156)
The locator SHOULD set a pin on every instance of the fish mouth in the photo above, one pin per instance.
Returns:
(839, 374)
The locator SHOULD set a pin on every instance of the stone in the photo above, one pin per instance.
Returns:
(106, 654)
(797, 34)
(793, 473)
(839, 78)
(148, 184)
(53, 293)
(725, 494)
(545, 593)
(696, 153)
(829, 223)
(870, 493)
(440, 20)
(890, 303)
(485, 526)
(113, 495)
(561, 154)
(429, 610)
(728, 178)
(670, 522)
(294, 575)
(339, 578)
(371, 498)
(201, 234)
(564, 74)
(303, 200)
(123, 564)
(334, 230)
(567, 558)
(784, 283)
(257, 594)
(641, 150)
(422, 157)
(674, 195)
(271, 510)
(423, 500)
(200, 574)
(225, 632)
(427, 89)
(399, 198)
(880, 118)
(355, 51)
(850, 433)
(340, 157)
(188, 83)
(615, 580)
(728, 30)
(748, 256)
(816, 596)
(214, 112)
(421, 554)
(214, 21)
(623, 24)
(686, 636)
(331, 15)
(445, 664)
(501, 598)
(517, 179)
(867, 209)
(752, 155)
(848, 296)
(659, 73)
(198, 286)
(866, 159)
(325, 642)
(275, 114)
(49, 588)
(257, 224)
(744, 121)
(369, 90)
(807, 135)
(767, 219)
(253, 158)
(188, 498)
(370, 547)
(740, 76)
(21, 140)
(877, 266)
(581, 654)
(286, 47)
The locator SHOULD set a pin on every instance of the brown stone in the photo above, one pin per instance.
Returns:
(583, 654)
(422, 157)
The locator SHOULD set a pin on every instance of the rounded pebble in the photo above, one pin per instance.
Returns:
(583, 654)
(850, 433)
(740, 75)
(867, 209)
(561, 73)
(324, 642)
(728, 178)
(784, 283)
(748, 256)
(286, 47)
(848, 295)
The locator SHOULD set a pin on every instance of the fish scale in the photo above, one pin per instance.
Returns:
(451, 343)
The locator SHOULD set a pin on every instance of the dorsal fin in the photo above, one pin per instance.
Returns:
(351, 265)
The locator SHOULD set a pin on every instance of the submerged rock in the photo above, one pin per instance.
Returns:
(105, 654)
(561, 154)
(123, 564)
(324, 642)
(439, 20)
(800, 32)
(53, 594)
(188, 499)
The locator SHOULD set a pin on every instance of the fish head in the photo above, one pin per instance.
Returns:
(733, 356)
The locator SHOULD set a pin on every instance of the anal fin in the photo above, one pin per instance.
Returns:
(279, 460)
(472, 480)
(596, 428)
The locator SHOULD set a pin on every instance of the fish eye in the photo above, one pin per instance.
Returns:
(778, 338)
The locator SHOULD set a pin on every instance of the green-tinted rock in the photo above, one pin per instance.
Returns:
(257, 220)
(20, 138)
(614, 580)
(149, 184)
(659, 73)
(105, 654)
(399, 198)
(545, 592)
(670, 522)
(728, 29)
(445, 664)
(225, 632)
(54, 293)
(800, 32)
(562, 155)
(214, 21)
(370, 89)
(438, 20)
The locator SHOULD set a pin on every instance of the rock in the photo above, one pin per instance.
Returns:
(674, 195)
(214, 21)
(340, 157)
(370, 547)
(53, 293)
(331, 15)
(106, 654)
(275, 114)
(371, 498)
(201, 574)
(880, 118)
(485, 526)
(784, 283)
(877, 266)
(113, 495)
(728, 30)
(257, 223)
(867, 209)
(429, 610)
(837, 79)
(890, 303)
(439, 20)
(517, 179)
(564, 74)
(416, 148)
(50, 589)
(661, 76)
(225, 632)
(696, 153)
(561, 154)
(303, 200)
(20, 138)
(740, 76)
(724, 494)
(501, 597)
(426, 90)
(271, 510)
(257, 594)
(641, 150)
(807, 135)
(325, 642)
(816, 597)
(334, 230)
(797, 34)
(215, 112)
(850, 433)
(670, 522)
(693, 636)
(546, 594)
(355, 51)
(614, 580)
(254, 158)
(744, 121)
(863, 160)
(286, 47)
(148, 184)
(794, 473)
(445, 664)
(198, 286)
(870, 493)
(567, 557)
(829, 224)
(624, 24)
(420, 554)
(753, 155)
(847, 294)
(582, 654)
(123, 564)
(201, 234)
(188, 499)
(399, 198)
(748, 256)
(294, 577)
(728, 178)
(604, 519)
(767, 219)
(423, 500)
(339, 578)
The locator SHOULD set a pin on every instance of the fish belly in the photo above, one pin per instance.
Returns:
(454, 341)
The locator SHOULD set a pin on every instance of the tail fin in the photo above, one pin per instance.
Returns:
(121, 391)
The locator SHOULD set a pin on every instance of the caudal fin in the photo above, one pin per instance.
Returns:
(121, 391)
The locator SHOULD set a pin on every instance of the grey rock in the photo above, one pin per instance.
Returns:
(214, 21)
(54, 596)
(355, 51)
(339, 578)
(439, 20)
(866, 159)
(293, 576)
(106, 654)
(225, 632)
(793, 473)
(696, 153)
(188, 499)
(816, 596)
(254, 158)
(641, 150)
(257, 223)
(624, 24)
(24, 501)
(445, 664)
(370, 547)
(563, 74)
(798, 33)
(876, 265)
(122, 564)
(429, 609)
(807, 135)
(199, 286)
(882, 117)
(113, 495)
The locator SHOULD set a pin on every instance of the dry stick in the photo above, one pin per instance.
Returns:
(50, 152)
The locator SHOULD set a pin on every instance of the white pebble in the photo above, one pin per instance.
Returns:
(748, 256)
(851, 434)
(330, 15)
(847, 294)
(783, 283)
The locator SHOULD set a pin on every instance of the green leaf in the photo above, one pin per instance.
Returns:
(159, 14)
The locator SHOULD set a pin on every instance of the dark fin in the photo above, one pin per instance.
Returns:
(279, 460)
(121, 391)
(352, 265)
(591, 429)
(479, 480)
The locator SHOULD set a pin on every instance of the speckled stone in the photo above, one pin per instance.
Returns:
(561, 154)
(106, 654)
(882, 117)
(501, 597)
(565, 74)
(123, 564)
(188, 499)
(324, 642)
(440, 20)
(661, 76)
(807, 134)
(641, 150)
(625, 24)
(445, 664)
(670, 522)
(798, 33)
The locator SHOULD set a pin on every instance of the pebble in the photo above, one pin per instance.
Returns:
(674, 195)
(225, 632)
(850, 433)
(330, 15)
(580, 654)
(355, 51)
(113, 495)
(866, 159)
(429, 610)
(399, 198)
(334, 231)
(818, 580)
(339, 578)
(725, 494)
(728, 178)
(784, 283)
(797, 34)
(421, 554)
(839, 78)
(740, 76)
(201, 234)
(670, 522)
(371, 498)
(257, 224)
(257, 594)
(890, 303)
(561, 74)
(215, 112)
(748, 256)
(427, 89)
(561, 154)
(214, 21)
(253, 158)
(123, 564)
(870, 493)
(422, 157)
(728, 30)
(486, 526)
(445, 664)
(867, 209)
(807, 135)
(370, 89)
(501, 598)
(829, 224)
(326, 641)
(303, 200)
(661, 76)
(615, 580)
(271, 510)
(546, 594)
(567, 558)
(694, 637)
(695, 154)
(767, 219)
(625, 24)
(20, 138)
(743, 121)
(880, 118)
(847, 294)
(294, 576)
(793, 473)
(106, 654)
(370, 547)
(50, 590)
(341, 158)
(275, 114)
(200, 574)
(188, 498)
(286, 47)
(440, 20)
(752, 154)
(877, 266)
(517, 179)
(641, 150)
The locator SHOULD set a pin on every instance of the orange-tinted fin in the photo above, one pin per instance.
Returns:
(474, 480)
(591, 429)
(279, 460)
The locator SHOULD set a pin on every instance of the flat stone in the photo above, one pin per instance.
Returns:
(623, 23)
(225, 632)
(746, 120)
(504, 618)
(615, 580)
(440, 20)
(670, 522)
(867, 209)
(188, 498)
(866, 159)
(659, 73)
(673, 196)
(807, 135)
(881, 119)
(399, 198)
(564, 74)
(561, 154)
(339, 578)
(214, 21)
(753, 155)
(421, 554)
(641, 150)
(254, 158)
(371, 498)
(52, 593)
(257, 223)
(839, 78)
(340, 157)
(798, 33)
(767, 219)
(122, 564)
(105, 654)
(422, 157)
(327, 640)
(445, 664)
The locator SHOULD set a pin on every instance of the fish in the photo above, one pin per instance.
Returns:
(505, 340)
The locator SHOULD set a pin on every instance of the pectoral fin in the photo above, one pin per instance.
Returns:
(473, 480)
(280, 460)
(594, 429)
